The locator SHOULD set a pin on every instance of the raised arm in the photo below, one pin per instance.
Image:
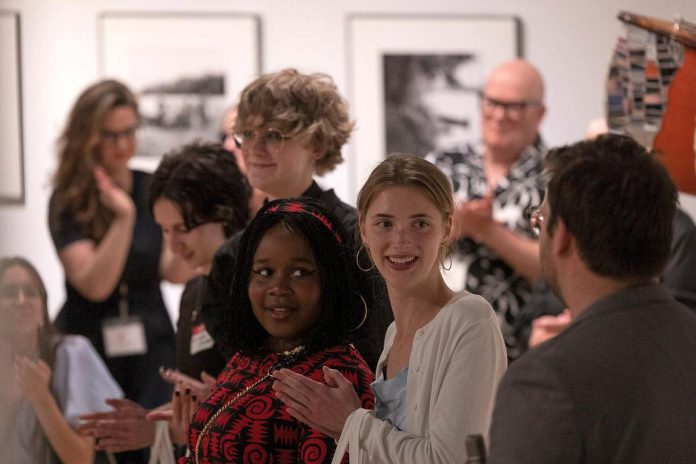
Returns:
(474, 219)
(521, 253)
(95, 269)
(34, 378)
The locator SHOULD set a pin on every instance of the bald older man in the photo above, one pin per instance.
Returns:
(495, 181)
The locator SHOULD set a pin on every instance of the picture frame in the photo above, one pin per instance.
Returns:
(186, 69)
(12, 184)
(414, 80)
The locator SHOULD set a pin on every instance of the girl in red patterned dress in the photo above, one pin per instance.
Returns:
(295, 307)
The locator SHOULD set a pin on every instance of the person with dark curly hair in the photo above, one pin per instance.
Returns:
(296, 306)
(199, 196)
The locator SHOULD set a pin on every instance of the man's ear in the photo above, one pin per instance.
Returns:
(562, 241)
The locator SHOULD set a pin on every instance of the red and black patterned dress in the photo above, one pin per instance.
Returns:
(256, 428)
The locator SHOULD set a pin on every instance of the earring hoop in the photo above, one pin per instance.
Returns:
(364, 318)
(357, 260)
(444, 250)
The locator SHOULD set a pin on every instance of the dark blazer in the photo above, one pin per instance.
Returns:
(619, 386)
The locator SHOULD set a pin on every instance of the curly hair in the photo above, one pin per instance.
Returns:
(296, 104)
(74, 185)
(342, 307)
(204, 181)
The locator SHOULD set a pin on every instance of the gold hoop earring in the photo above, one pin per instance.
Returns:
(357, 260)
(364, 318)
(444, 250)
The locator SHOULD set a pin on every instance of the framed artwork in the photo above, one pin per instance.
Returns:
(186, 69)
(11, 142)
(415, 81)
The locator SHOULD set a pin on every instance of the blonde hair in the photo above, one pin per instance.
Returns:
(73, 183)
(295, 104)
(402, 170)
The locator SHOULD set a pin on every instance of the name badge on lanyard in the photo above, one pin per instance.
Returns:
(124, 335)
(200, 339)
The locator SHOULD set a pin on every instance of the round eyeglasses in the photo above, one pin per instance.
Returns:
(511, 109)
(272, 139)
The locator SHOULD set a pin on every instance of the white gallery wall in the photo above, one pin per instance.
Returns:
(569, 41)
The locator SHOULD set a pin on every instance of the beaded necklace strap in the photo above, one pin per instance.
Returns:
(289, 357)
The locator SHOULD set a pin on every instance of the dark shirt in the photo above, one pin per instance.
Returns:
(680, 275)
(208, 359)
(137, 375)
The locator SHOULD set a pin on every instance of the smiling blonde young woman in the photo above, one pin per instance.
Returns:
(443, 355)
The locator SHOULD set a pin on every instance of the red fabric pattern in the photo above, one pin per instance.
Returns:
(257, 428)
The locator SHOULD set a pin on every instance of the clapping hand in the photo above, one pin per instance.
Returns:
(33, 378)
(187, 396)
(123, 429)
(113, 196)
(324, 407)
(472, 218)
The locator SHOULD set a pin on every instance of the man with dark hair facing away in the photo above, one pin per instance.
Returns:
(618, 385)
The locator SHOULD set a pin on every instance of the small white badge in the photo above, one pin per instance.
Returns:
(124, 337)
(200, 339)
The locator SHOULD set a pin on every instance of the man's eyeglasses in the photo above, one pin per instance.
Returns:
(272, 139)
(511, 109)
(112, 138)
(536, 220)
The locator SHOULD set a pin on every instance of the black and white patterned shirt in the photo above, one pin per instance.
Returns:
(488, 275)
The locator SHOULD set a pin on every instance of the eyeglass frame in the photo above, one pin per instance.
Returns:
(11, 291)
(239, 139)
(223, 136)
(511, 109)
(112, 138)
(536, 220)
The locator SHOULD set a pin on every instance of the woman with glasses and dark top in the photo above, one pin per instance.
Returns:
(48, 380)
(296, 304)
(110, 246)
(291, 126)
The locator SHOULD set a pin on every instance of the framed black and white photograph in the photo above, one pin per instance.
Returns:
(415, 81)
(11, 146)
(186, 69)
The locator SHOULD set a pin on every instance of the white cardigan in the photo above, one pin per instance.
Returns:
(455, 365)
